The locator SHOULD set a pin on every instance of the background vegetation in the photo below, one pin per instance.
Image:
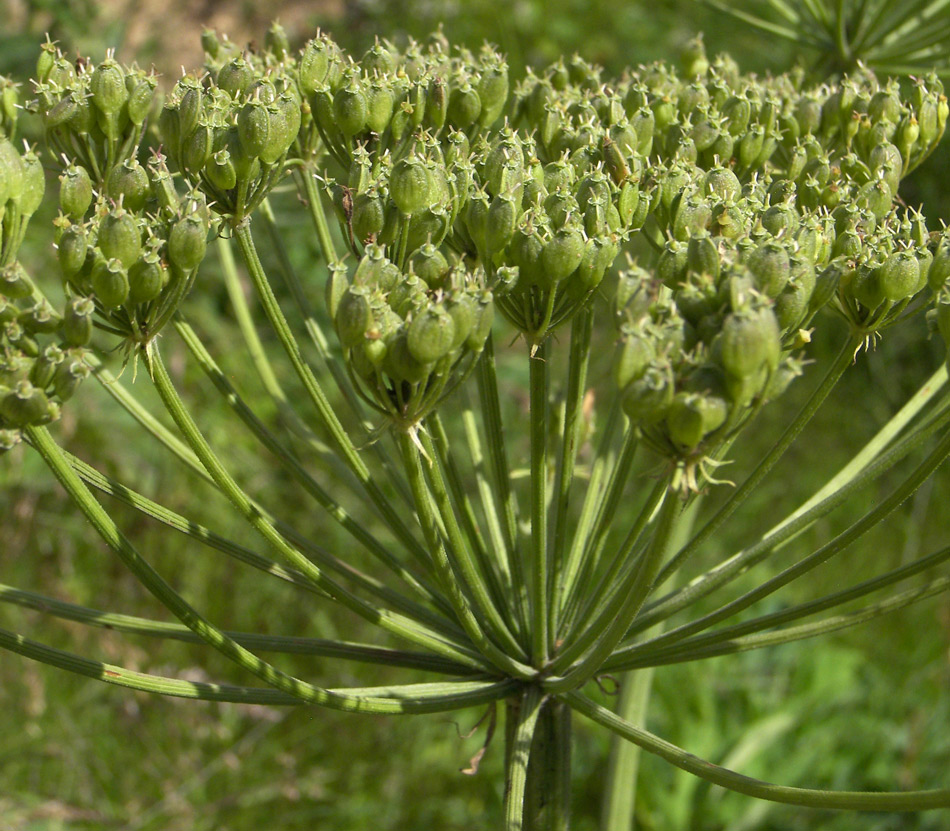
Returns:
(864, 709)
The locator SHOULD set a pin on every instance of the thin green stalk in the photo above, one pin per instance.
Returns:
(450, 581)
(519, 757)
(357, 530)
(876, 445)
(579, 357)
(398, 624)
(44, 444)
(499, 553)
(319, 340)
(623, 764)
(459, 552)
(635, 590)
(730, 780)
(601, 474)
(579, 600)
(538, 590)
(731, 568)
(603, 603)
(318, 217)
(487, 563)
(698, 643)
(487, 379)
(397, 700)
(319, 647)
(843, 360)
(618, 810)
(822, 555)
(340, 439)
(789, 634)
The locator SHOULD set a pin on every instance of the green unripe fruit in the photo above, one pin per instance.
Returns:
(525, 248)
(429, 265)
(721, 182)
(187, 242)
(77, 321)
(119, 237)
(500, 224)
(634, 355)
(140, 100)
(465, 106)
(437, 105)
(354, 316)
(128, 183)
(110, 282)
(939, 271)
(275, 41)
(647, 400)
(75, 192)
(748, 341)
(335, 287)
(672, 265)
(481, 327)
(284, 123)
(492, 93)
(107, 86)
(561, 255)
(409, 185)
(431, 335)
(235, 76)
(40, 318)
(313, 65)
(196, 148)
(368, 215)
(866, 287)
(899, 276)
(68, 376)
(876, 197)
(34, 184)
(692, 416)
(71, 250)
(791, 306)
(599, 255)
(44, 367)
(11, 172)
(253, 128)
(770, 266)
(24, 405)
(401, 365)
(350, 109)
(461, 308)
(220, 171)
(147, 278)
(702, 255)
(379, 108)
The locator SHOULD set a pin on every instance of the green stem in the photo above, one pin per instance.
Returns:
(740, 563)
(498, 587)
(539, 522)
(581, 328)
(635, 591)
(397, 624)
(319, 647)
(501, 474)
(822, 555)
(43, 443)
(462, 563)
(601, 474)
(325, 410)
(730, 780)
(357, 530)
(620, 789)
(449, 580)
(519, 756)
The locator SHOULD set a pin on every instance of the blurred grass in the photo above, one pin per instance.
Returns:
(866, 708)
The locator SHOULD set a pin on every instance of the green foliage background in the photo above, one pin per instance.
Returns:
(865, 709)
